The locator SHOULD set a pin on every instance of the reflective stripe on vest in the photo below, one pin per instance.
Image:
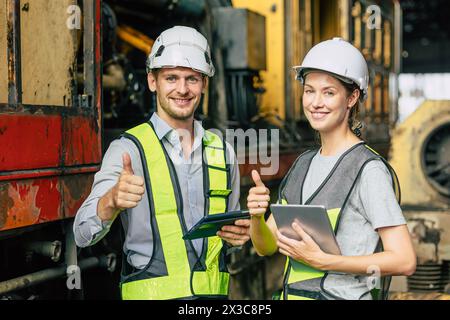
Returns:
(333, 193)
(180, 281)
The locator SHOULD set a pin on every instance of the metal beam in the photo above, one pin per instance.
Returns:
(13, 52)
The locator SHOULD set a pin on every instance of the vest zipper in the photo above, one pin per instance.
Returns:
(206, 204)
(179, 196)
(180, 212)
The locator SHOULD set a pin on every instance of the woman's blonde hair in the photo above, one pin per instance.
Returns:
(353, 121)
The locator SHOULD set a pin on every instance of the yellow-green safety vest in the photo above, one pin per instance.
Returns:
(182, 280)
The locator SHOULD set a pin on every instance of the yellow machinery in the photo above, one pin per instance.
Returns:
(420, 155)
(135, 38)
(294, 26)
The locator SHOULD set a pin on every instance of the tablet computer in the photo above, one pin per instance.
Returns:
(210, 224)
(313, 219)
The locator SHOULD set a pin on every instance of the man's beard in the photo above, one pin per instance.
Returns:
(174, 115)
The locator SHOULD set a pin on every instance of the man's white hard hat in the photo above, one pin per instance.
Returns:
(341, 59)
(181, 47)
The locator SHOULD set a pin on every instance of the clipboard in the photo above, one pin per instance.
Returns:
(209, 225)
(313, 219)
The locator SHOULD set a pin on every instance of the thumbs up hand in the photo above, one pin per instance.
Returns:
(258, 196)
(126, 193)
(126, 161)
(129, 189)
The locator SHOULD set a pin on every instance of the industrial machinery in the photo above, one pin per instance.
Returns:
(50, 138)
(420, 155)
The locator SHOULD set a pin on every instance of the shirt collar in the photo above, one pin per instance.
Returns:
(163, 129)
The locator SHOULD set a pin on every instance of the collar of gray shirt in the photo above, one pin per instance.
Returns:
(164, 130)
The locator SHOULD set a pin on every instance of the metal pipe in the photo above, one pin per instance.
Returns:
(104, 261)
(135, 38)
(46, 248)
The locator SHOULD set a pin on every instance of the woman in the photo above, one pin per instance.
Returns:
(357, 187)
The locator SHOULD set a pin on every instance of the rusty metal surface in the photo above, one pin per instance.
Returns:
(98, 71)
(75, 188)
(48, 52)
(32, 174)
(6, 203)
(80, 136)
(27, 202)
(92, 72)
(418, 296)
(3, 59)
(48, 155)
(13, 51)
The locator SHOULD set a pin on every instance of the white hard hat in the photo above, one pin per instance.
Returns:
(181, 47)
(341, 59)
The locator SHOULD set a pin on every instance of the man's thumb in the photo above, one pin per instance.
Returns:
(257, 179)
(127, 163)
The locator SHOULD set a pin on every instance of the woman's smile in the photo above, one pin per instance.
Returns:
(319, 115)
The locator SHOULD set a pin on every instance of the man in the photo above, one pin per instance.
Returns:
(164, 176)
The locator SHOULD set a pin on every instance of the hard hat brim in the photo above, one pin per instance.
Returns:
(178, 55)
(303, 72)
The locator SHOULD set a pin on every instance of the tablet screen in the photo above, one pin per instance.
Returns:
(314, 221)
(209, 225)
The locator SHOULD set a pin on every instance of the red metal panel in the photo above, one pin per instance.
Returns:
(76, 188)
(29, 141)
(29, 202)
(48, 155)
(81, 141)
(34, 141)
(32, 174)
(48, 199)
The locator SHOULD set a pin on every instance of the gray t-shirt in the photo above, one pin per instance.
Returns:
(371, 205)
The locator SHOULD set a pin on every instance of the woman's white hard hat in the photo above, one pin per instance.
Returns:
(341, 59)
(181, 47)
